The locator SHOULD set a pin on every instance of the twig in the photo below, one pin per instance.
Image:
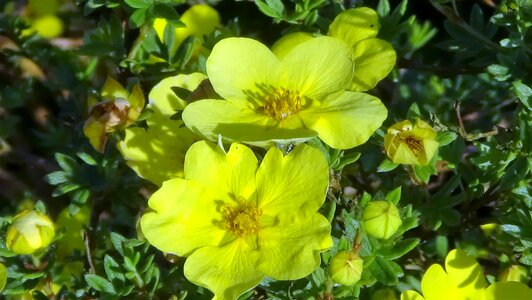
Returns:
(88, 250)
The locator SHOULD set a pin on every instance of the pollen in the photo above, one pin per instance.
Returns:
(415, 145)
(242, 219)
(282, 103)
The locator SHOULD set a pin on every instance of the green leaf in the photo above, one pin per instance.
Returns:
(112, 269)
(66, 162)
(117, 241)
(386, 166)
(56, 178)
(139, 3)
(138, 18)
(3, 277)
(99, 283)
(523, 92)
(385, 271)
(271, 8)
(394, 196)
(383, 8)
(445, 137)
(399, 249)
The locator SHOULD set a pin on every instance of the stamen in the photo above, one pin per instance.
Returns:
(242, 219)
(282, 103)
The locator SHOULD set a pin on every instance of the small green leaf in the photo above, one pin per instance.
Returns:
(399, 249)
(394, 196)
(99, 283)
(523, 92)
(386, 166)
(445, 137)
(139, 3)
(271, 8)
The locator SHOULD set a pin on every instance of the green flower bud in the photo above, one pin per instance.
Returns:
(29, 232)
(384, 294)
(514, 273)
(346, 268)
(381, 219)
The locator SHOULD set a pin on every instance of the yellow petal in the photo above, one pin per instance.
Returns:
(199, 20)
(345, 120)
(183, 218)
(95, 132)
(232, 175)
(291, 249)
(227, 271)
(292, 185)
(411, 295)
(508, 290)
(437, 285)
(317, 67)
(288, 42)
(355, 25)
(113, 89)
(374, 59)
(465, 273)
(233, 122)
(157, 153)
(136, 104)
(165, 101)
(238, 66)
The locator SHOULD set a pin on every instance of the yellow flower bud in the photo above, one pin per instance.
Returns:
(410, 144)
(514, 273)
(29, 232)
(384, 294)
(346, 268)
(381, 219)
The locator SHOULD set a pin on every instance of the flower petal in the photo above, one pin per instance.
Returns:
(211, 118)
(95, 132)
(510, 290)
(291, 250)
(437, 285)
(182, 218)
(288, 42)
(136, 104)
(157, 153)
(295, 184)
(354, 25)
(165, 101)
(411, 295)
(345, 120)
(374, 59)
(232, 173)
(238, 66)
(465, 273)
(227, 271)
(113, 89)
(318, 67)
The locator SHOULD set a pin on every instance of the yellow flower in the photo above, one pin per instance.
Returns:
(270, 100)
(42, 19)
(463, 279)
(30, 231)
(374, 58)
(158, 153)
(72, 226)
(381, 219)
(117, 109)
(410, 144)
(238, 222)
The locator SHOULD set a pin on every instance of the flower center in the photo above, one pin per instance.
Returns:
(282, 103)
(242, 219)
(415, 145)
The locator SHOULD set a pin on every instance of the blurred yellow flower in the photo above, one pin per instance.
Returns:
(116, 109)
(411, 144)
(463, 279)
(238, 222)
(30, 231)
(72, 226)
(270, 100)
(158, 152)
(41, 15)
(373, 58)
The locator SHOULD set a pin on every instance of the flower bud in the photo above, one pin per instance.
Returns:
(381, 219)
(514, 273)
(346, 268)
(29, 232)
(411, 144)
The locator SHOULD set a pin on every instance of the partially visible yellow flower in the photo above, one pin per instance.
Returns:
(30, 231)
(346, 268)
(411, 144)
(514, 273)
(72, 226)
(116, 110)
(3, 276)
(158, 152)
(463, 279)
(41, 15)
(269, 100)
(381, 219)
(373, 58)
(238, 222)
